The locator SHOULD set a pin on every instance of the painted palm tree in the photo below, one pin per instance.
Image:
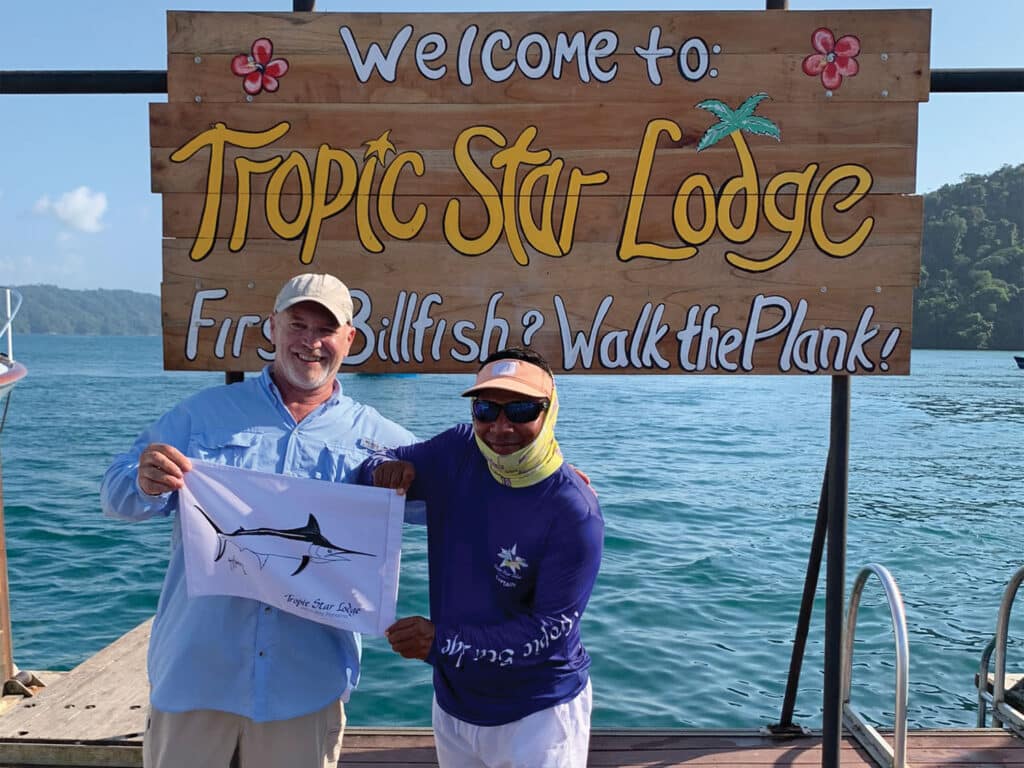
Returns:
(733, 123)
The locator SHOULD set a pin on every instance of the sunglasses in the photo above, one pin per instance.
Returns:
(517, 412)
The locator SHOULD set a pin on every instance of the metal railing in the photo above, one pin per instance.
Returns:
(1003, 713)
(865, 734)
(12, 303)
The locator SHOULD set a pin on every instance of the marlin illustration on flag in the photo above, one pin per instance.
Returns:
(306, 544)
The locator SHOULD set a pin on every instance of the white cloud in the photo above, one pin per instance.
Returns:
(80, 208)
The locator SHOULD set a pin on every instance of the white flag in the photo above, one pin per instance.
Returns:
(328, 552)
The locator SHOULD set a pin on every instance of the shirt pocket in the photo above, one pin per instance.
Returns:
(233, 449)
(333, 462)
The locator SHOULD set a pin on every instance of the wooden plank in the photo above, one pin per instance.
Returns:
(735, 32)
(396, 749)
(892, 168)
(677, 330)
(881, 31)
(598, 219)
(348, 259)
(324, 54)
(623, 748)
(1009, 680)
(952, 748)
(570, 127)
(314, 79)
(103, 698)
(434, 265)
(71, 754)
(969, 738)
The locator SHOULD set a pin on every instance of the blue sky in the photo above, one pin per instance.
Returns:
(75, 203)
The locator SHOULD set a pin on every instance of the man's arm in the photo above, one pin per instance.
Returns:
(411, 470)
(566, 579)
(141, 483)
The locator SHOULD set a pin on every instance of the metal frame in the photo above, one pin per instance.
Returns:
(12, 303)
(1003, 713)
(123, 81)
(896, 755)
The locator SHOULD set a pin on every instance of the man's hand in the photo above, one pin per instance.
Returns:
(162, 469)
(583, 476)
(394, 474)
(411, 637)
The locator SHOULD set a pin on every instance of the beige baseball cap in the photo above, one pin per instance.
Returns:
(516, 376)
(326, 290)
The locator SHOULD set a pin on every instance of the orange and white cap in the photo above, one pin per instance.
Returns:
(516, 376)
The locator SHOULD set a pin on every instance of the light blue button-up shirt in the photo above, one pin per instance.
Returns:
(229, 653)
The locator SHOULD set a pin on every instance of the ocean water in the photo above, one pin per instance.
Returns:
(709, 487)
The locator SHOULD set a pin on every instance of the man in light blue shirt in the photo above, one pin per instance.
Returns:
(230, 674)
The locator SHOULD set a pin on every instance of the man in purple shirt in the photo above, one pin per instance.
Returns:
(514, 540)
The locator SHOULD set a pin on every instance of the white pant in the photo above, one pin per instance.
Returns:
(557, 737)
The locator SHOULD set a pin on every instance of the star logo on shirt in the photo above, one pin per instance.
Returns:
(510, 562)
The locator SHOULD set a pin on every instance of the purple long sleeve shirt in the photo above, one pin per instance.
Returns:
(511, 571)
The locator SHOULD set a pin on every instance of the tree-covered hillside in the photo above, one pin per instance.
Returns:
(48, 309)
(971, 294)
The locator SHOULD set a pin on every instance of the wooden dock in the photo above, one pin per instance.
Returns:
(95, 716)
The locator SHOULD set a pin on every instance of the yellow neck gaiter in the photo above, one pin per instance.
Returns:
(527, 466)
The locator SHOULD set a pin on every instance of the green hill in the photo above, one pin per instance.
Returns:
(49, 309)
(971, 294)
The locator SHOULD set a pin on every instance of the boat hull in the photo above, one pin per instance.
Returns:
(10, 374)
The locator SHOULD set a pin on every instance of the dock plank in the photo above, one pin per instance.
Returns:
(102, 699)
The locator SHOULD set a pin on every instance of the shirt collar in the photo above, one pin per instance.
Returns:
(270, 388)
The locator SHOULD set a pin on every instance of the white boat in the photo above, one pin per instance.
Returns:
(11, 371)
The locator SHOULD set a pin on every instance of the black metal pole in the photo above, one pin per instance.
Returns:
(835, 573)
(785, 725)
(50, 81)
(977, 80)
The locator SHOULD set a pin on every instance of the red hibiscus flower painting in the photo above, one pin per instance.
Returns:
(834, 60)
(260, 70)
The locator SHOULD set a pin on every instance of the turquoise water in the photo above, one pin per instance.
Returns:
(709, 487)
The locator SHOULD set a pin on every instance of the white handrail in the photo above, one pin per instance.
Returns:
(1001, 712)
(869, 738)
(6, 330)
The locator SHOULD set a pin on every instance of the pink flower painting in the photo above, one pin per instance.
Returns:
(834, 60)
(260, 70)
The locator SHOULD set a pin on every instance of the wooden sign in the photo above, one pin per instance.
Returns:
(624, 192)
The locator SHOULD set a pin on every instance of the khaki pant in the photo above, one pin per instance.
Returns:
(206, 738)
